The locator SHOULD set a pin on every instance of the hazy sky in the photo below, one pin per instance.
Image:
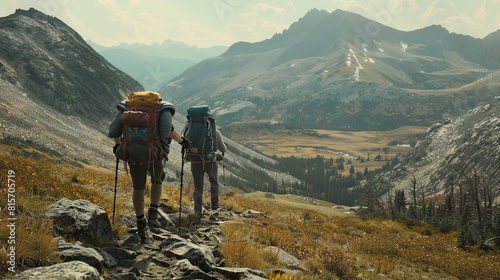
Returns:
(207, 23)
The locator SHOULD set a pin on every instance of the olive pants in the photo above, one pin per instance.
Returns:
(139, 173)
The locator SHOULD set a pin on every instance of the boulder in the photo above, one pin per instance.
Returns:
(81, 220)
(285, 258)
(76, 252)
(183, 269)
(199, 255)
(75, 270)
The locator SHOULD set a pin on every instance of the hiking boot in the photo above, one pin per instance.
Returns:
(143, 231)
(153, 218)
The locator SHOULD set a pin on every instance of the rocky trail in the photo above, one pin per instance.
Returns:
(186, 252)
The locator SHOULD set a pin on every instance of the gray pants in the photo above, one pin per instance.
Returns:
(198, 170)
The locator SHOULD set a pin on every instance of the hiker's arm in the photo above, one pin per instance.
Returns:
(116, 127)
(179, 139)
(221, 146)
(175, 136)
(165, 125)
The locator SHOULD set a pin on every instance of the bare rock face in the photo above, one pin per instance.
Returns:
(57, 94)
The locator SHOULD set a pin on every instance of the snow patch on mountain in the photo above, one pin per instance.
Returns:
(404, 46)
(353, 62)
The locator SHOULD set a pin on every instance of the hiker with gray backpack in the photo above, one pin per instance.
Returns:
(206, 147)
(141, 130)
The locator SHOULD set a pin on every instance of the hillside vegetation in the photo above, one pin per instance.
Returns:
(330, 240)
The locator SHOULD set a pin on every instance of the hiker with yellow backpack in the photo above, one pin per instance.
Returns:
(141, 130)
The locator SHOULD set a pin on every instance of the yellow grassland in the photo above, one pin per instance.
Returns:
(309, 143)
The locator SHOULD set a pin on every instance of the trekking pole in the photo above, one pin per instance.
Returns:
(116, 183)
(180, 199)
(223, 173)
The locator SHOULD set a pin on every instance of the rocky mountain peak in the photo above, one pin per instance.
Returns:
(31, 13)
(432, 31)
(38, 25)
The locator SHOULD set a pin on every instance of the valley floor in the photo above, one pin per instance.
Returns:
(309, 143)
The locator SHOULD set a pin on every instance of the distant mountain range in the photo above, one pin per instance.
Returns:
(156, 64)
(342, 71)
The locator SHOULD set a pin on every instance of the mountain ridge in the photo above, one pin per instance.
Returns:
(332, 58)
(42, 50)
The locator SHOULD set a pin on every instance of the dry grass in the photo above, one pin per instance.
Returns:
(173, 193)
(38, 184)
(333, 244)
(34, 244)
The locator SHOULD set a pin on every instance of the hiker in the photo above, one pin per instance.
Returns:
(143, 146)
(198, 170)
(202, 154)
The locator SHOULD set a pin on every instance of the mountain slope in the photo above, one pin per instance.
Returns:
(339, 70)
(57, 67)
(453, 150)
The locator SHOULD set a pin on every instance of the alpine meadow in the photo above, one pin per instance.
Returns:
(355, 150)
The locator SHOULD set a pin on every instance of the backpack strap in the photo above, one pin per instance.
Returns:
(155, 137)
(164, 105)
(122, 106)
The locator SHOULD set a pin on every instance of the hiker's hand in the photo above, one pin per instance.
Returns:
(184, 143)
(165, 150)
(115, 147)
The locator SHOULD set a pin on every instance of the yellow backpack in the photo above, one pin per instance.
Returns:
(140, 135)
(143, 98)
